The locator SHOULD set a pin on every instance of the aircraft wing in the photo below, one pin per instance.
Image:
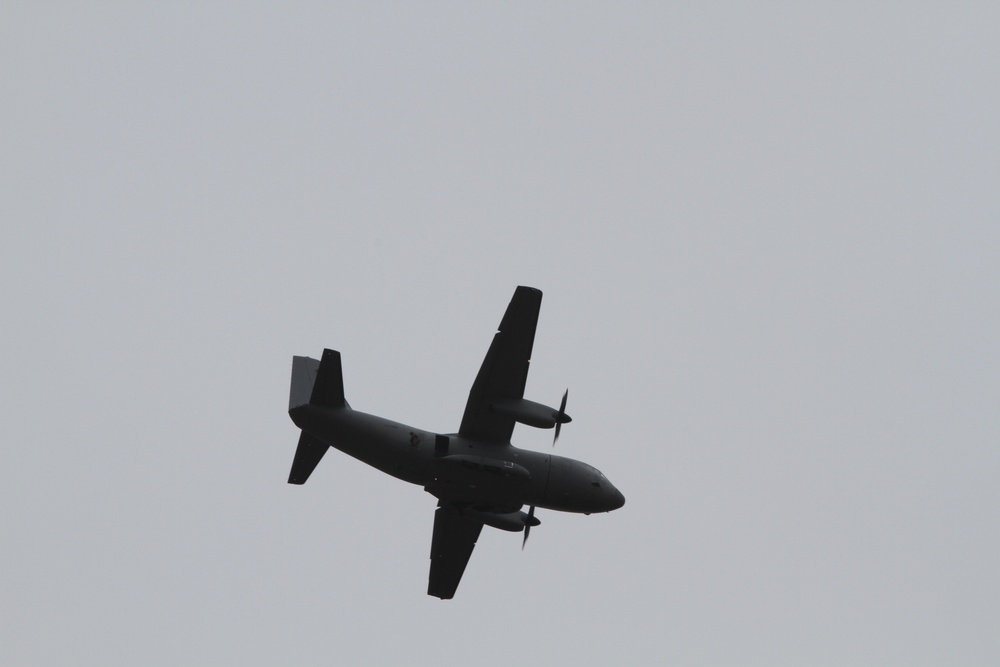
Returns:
(454, 539)
(505, 369)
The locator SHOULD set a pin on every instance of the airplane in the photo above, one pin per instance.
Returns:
(478, 477)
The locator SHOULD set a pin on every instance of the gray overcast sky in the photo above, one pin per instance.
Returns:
(768, 240)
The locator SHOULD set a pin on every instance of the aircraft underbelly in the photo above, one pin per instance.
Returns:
(396, 449)
(481, 481)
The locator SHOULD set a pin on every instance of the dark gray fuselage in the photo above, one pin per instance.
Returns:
(488, 476)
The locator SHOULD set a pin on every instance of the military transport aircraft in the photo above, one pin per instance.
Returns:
(478, 477)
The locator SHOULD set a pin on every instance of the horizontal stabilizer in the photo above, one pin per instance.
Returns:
(328, 391)
(307, 457)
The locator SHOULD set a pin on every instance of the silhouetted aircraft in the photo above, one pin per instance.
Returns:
(478, 477)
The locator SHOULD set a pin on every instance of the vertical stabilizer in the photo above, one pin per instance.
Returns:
(303, 378)
(319, 383)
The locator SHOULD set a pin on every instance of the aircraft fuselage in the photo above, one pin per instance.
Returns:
(478, 477)
(487, 476)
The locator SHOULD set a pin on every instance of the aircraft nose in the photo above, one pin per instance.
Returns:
(618, 499)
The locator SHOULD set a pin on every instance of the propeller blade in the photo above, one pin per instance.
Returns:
(561, 417)
(527, 525)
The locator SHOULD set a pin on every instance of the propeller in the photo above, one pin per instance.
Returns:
(528, 523)
(561, 416)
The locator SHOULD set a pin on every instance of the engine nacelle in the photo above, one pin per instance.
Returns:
(530, 413)
(513, 521)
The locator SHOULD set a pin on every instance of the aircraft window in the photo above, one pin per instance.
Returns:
(596, 484)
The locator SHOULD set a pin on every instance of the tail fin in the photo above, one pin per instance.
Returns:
(319, 383)
(303, 378)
